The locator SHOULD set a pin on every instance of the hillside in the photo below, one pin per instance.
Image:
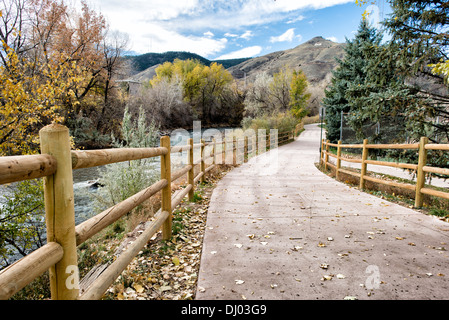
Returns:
(143, 62)
(315, 57)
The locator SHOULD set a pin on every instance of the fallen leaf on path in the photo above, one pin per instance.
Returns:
(138, 288)
(239, 281)
(165, 288)
(175, 261)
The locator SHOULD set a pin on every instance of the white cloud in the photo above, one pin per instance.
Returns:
(247, 35)
(286, 36)
(298, 18)
(161, 25)
(243, 53)
(158, 39)
(231, 35)
(333, 39)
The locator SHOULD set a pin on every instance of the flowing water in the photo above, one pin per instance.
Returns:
(84, 180)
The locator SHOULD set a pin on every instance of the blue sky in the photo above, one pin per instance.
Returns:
(225, 29)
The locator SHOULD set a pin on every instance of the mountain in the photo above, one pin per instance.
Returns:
(315, 57)
(148, 60)
(145, 64)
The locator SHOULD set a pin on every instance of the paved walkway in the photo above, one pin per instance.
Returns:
(288, 231)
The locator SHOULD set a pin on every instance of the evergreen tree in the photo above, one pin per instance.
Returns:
(350, 73)
(420, 51)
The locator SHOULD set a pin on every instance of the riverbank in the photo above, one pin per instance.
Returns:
(163, 269)
(168, 269)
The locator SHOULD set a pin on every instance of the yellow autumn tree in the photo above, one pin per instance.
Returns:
(204, 87)
(30, 100)
(56, 63)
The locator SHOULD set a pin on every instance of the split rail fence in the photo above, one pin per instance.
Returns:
(55, 165)
(421, 169)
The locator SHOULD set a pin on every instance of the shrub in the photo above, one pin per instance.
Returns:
(121, 180)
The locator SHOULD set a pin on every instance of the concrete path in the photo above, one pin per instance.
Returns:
(278, 228)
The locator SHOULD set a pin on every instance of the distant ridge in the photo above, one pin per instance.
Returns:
(316, 58)
(148, 60)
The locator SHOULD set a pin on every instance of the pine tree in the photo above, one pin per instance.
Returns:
(421, 44)
(351, 72)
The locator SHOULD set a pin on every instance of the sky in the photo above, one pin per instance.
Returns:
(227, 29)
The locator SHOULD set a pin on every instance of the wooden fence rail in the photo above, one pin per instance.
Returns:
(55, 166)
(421, 168)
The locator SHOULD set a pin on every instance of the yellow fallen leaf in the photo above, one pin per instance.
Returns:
(138, 288)
(175, 261)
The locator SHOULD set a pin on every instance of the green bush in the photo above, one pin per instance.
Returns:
(22, 220)
(121, 180)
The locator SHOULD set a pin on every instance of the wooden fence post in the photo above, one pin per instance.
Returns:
(269, 140)
(213, 151)
(326, 155)
(338, 159)
(256, 144)
(245, 150)
(420, 174)
(191, 173)
(322, 152)
(203, 165)
(60, 212)
(234, 150)
(223, 150)
(166, 191)
(363, 168)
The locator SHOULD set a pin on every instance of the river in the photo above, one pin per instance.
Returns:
(84, 179)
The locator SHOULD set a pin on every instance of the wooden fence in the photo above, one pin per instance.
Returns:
(421, 169)
(55, 166)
